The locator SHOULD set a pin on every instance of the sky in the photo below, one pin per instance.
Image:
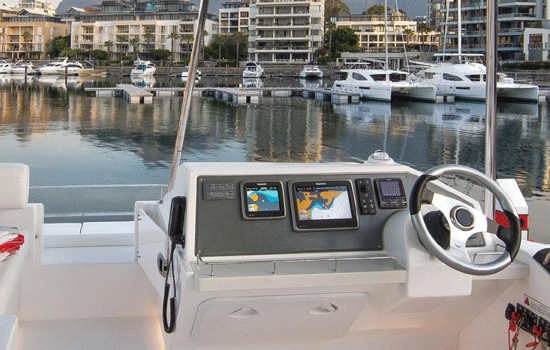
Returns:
(413, 7)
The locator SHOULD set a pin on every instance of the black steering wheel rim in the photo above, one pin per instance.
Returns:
(512, 238)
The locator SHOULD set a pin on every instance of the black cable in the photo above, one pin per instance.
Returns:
(169, 326)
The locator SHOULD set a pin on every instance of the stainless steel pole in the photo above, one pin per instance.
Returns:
(491, 102)
(188, 92)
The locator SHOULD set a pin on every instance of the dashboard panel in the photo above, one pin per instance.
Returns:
(285, 214)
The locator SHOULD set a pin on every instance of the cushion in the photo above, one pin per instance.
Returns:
(14, 185)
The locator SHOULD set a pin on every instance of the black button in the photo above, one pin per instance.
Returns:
(464, 217)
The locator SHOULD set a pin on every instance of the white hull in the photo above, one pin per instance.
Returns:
(310, 73)
(139, 72)
(247, 74)
(48, 70)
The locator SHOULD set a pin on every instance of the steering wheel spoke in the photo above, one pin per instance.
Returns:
(462, 221)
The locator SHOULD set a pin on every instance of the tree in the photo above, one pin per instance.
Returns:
(173, 36)
(408, 33)
(160, 54)
(148, 38)
(377, 10)
(57, 44)
(135, 43)
(187, 38)
(26, 36)
(332, 7)
(344, 39)
(218, 42)
(108, 45)
(204, 35)
(239, 37)
(98, 54)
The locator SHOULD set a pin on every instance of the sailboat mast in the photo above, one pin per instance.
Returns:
(188, 92)
(491, 102)
(459, 24)
(386, 33)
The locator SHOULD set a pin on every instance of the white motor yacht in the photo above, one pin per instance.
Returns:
(22, 67)
(5, 67)
(143, 68)
(465, 77)
(53, 67)
(71, 68)
(185, 73)
(310, 72)
(253, 70)
(384, 85)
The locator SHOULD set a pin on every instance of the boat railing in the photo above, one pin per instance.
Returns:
(273, 262)
(81, 203)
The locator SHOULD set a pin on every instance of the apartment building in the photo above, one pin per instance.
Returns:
(27, 33)
(41, 5)
(285, 31)
(234, 16)
(398, 35)
(122, 28)
(516, 19)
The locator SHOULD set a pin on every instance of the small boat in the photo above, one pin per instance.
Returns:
(310, 72)
(71, 68)
(185, 72)
(253, 70)
(384, 85)
(144, 68)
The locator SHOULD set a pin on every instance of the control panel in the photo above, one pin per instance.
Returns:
(293, 213)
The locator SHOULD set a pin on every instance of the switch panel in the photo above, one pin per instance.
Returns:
(365, 196)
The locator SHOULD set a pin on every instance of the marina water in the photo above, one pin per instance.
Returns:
(69, 137)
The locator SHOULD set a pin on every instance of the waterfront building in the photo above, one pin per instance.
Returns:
(516, 23)
(118, 24)
(27, 32)
(40, 5)
(285, 31)
(234, 16)
(398, 35)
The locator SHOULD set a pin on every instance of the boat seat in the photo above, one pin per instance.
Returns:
(15, 209)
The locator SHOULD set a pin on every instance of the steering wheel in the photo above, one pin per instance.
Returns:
(462, 221)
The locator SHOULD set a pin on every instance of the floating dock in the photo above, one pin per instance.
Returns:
(237, 96)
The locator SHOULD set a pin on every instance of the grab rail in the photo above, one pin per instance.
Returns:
(274, 262)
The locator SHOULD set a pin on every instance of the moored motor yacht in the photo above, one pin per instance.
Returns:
(143, 68)
(22, 67)
(71, 68)
(5, 67)
(384, 85)
(464, 76)
(185, 72)
(310, 72)
(53, 67)
(253, 70)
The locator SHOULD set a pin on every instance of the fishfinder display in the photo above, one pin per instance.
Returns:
(263, 200)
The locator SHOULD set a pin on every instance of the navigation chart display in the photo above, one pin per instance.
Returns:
(324, 205)
(263, 200)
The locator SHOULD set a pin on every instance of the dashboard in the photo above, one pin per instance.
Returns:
(293, 213)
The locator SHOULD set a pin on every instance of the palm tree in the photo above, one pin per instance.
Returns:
(134, 42)
(108, 45)
(121, 39)
(187, 38)
(173, 36)
(26, 36)
(238, 37)
(204, 34)
(148, 38)
(220, 40)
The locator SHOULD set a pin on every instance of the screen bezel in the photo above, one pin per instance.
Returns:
(258, 215)
(327, 224)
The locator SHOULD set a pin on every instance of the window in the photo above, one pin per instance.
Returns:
(378, 77)
(358, 76)
(451, 77)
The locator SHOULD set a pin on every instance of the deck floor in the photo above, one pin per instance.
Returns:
(128, 333)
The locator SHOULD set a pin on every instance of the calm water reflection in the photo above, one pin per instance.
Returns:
(69, 137)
